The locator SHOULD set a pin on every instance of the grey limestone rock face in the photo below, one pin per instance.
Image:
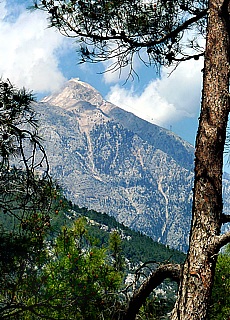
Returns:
(109, 160)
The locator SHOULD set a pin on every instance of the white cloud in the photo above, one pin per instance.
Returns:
(28, 50)
(166, 100)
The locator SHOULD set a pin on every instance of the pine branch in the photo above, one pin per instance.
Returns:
(219, 242)
(127, 39)
(172, 271)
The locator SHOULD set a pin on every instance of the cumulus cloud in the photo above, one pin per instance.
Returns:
(165, 100)
(29, 49)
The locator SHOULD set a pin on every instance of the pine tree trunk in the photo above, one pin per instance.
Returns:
(197, 276)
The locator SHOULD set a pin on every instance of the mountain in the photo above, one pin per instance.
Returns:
(109, 160)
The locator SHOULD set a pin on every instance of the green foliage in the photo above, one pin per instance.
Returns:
(77, 272)
(220, 302)
(25, 200)
(115, 246)
(21, 261)
(81, 274)
(156, 308)
(25, 185)
(135, 246)
(70, 279)
(121, 29)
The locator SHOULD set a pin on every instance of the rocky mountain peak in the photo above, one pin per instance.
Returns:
(83, 101)
(89, 109)
(73, 94)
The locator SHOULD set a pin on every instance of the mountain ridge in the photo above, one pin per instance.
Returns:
(73, 99)
(109, 160)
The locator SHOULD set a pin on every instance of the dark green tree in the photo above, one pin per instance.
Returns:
(73, 280)
(220, 301)
(25, 186)
(26, 194)
(157, 31)
(81, 277)
(115, 246)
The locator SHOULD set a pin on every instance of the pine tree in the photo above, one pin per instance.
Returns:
(26, 194)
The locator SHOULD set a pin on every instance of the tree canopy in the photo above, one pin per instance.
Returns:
(26, 192)
(155, 31)
(25, 186)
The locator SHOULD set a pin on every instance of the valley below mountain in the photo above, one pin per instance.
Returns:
(111, 161)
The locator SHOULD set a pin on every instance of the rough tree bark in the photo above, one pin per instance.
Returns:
(198, 270)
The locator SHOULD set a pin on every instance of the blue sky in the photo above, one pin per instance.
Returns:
(40, 59)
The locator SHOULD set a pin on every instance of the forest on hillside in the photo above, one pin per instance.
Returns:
(85, 265)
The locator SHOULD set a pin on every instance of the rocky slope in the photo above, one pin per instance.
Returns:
(109, 160)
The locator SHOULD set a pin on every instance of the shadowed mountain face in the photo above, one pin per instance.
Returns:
(109, 160)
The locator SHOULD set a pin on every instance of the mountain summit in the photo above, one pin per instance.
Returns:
(91, 108)
(73, 93)
(109, 160)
